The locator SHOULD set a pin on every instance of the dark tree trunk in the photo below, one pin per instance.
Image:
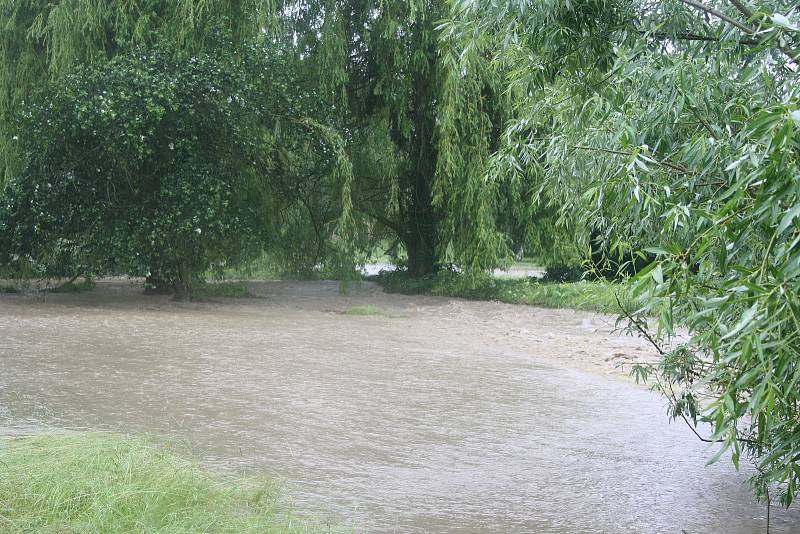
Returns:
(183, 291)
(183, 284)
(421, 218)
(421, 245)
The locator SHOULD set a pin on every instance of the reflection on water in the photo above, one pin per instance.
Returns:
(445, 416)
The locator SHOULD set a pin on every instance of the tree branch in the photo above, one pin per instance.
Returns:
(743, 9)
(696, 37)
(720, 15)
(383, 220)
(747, 12)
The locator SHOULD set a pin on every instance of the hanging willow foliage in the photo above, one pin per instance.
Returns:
(420, 127)
(673, 129)
(417, 122)
(470, 115)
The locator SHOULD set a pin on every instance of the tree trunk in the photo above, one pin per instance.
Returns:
(421, 246)
(183, 284)
(183, 291)
(422, 230)
(421, 218)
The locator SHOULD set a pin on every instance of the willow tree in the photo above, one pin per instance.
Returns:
(683, 137)
(41, 41)
(419, 129)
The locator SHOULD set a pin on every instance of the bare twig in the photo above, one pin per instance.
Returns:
(641, 329)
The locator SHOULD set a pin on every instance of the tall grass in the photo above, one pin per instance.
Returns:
(93, 483)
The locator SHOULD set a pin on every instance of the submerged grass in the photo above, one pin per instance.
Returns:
(95, 482)
(229, 290)
(598, 296)
(366, 310)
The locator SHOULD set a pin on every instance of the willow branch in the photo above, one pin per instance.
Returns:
(696, 37)
(743, 9)
(720, 15)
(747, 12)
(749, 30)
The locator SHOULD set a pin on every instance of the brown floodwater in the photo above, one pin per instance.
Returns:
(442, 416)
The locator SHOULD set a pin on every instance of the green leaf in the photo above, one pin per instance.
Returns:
(788, 218)
(744, 321)
(782, 22)
(658, 274)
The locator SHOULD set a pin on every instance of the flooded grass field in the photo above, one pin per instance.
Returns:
(434, 415)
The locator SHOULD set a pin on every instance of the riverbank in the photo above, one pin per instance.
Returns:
(593, 296)
(102, 482)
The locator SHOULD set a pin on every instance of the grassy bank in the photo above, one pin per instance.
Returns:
(588, 296)
(88, 482)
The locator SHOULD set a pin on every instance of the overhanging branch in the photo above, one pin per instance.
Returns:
(749, 30)
(720, 15)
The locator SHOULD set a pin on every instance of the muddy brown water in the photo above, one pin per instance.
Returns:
(443, 416)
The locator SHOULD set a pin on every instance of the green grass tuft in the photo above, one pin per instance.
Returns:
(91, 482)
(366, 310)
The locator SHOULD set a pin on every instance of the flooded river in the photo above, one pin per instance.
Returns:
(441, 416)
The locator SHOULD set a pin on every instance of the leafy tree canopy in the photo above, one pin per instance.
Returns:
(167, 167)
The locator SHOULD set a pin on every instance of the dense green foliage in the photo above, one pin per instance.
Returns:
(151, 165)
(43, 41)
(410, 133)
(264, 171)
(110, 483)
(135, 166)
(679, 134)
